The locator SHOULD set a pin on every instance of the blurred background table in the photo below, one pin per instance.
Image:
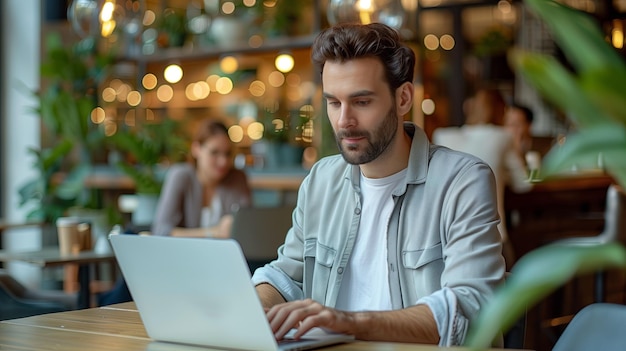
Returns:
(565, 206)
(51, 257)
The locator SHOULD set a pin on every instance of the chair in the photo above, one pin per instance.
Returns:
(614, 231)
(260, 231)
(16, 301)
(599, 326)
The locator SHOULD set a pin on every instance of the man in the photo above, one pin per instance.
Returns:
(395, 239)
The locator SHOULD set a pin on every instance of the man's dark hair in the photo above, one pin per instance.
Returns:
(350, 41)
(528, 113)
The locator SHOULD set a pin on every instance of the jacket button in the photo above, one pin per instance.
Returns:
(340, 270)
(357, 211)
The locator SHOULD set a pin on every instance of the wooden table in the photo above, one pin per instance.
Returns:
(289, 180)
(50, 257)
(6, 225)
(284, 182)
(119, 327)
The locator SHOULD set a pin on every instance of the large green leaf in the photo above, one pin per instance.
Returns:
(40, 190)
(607, 88)
(73, 185)
(603, 144)
(50, 158)
(593, 97)
(534, 276)
(577, 34)
(557, 85)
(145, 177)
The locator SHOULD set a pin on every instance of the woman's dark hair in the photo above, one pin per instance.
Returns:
(209, 128)
(350, 41)
(528, 113)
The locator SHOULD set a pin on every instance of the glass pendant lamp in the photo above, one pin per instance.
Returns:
(92, 18)
(389, 12)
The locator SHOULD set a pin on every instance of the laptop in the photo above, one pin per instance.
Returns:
(198, 291)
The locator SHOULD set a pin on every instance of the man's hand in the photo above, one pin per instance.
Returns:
(412, 324)
(307, 314)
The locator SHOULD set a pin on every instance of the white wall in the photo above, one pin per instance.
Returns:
(20, 30)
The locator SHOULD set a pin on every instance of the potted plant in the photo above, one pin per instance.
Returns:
(172, 27)
(287, 18)
(146, 149)
(593, 98)
(233, 21)
(65, 103)
(285, 138)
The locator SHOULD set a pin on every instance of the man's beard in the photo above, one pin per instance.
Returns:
(376, 143)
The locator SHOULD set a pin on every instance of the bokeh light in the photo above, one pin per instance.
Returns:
(224, 85)
(257, 88)
(255, 130)
(284, 63)
(149, 81)
(165, 93)
(98, 115)
(235, 133)
(133, 98)
(229, 64)
(428, 106)
(276, 79)
(173, 73)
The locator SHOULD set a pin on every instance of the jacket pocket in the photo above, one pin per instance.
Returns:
(318, 263)
(419, 258)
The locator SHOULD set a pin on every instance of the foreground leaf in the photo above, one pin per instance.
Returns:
(535, 276)
(557, 85)
(577, 34)
(586, 148)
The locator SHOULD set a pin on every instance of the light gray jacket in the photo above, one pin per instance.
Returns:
(443, 248)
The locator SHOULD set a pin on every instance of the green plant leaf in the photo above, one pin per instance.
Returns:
(74, 183)
(533, 277)
(145, 178)
(52, 157)
(577, 34)
(607, 141)
(606, 87)
(558, 86)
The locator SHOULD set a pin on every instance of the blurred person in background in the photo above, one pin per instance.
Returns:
(518, 120)
(198, 198)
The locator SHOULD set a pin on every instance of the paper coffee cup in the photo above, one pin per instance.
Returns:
(74, 235)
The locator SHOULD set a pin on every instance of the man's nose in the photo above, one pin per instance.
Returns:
(346, 118)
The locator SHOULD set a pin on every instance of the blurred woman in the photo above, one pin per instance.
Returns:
(198, 198)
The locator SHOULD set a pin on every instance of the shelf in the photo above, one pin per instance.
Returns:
(191, 53)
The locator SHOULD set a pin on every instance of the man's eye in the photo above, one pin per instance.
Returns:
(333, 103)
(362, 102)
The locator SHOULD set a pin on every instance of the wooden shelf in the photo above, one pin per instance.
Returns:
(203, 53)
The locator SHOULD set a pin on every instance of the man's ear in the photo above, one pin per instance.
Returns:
(404, 98)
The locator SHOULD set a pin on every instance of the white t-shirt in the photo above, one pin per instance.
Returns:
(210, 216)
(365, 285)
